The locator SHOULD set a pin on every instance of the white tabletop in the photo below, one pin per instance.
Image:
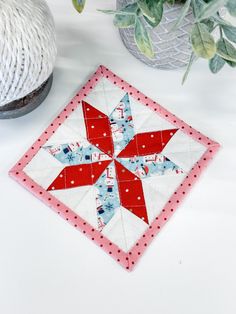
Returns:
(48, 267)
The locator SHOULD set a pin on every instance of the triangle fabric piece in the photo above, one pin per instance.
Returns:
(134, 227)
(105, 96)
(145, 120)
(124, 229)
(155, 123)
(114, 231)
(71, 197)
(87, 209)
(131, 192)
(183, 150)
(42, 160)
(158, 190)
(75, 122)
(43, 168)
(45, 176)
(64, 134)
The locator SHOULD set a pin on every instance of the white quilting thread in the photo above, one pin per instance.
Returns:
(27, 47)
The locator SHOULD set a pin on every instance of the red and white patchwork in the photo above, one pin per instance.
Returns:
(115, 165)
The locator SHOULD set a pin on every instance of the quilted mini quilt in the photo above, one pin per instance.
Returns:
(115, 164)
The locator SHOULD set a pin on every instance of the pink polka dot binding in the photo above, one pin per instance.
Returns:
(127, 259)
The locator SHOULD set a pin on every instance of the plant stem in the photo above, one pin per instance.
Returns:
(221, 32)
(194, 8)
(215, 27)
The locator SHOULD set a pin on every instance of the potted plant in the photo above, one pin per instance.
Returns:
(173, 33)
(27, 55)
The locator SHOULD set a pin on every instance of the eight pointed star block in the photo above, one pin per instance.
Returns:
(115, 165)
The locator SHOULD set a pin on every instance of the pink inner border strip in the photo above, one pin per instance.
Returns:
(127, 260)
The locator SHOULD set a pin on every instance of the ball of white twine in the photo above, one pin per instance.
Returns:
(27, 47)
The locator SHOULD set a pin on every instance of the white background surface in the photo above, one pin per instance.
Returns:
(47, 267)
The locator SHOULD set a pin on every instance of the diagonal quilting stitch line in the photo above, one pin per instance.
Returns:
(110, 134)
(159, 168)
(121, 215)
(72, 171)
(41, 170)
(126, 101)
(69, 127)
(104, 92)
(124, 232)
(66, 161)
(141, 196)
(74, 130)
(77, 204)
(92, 187)
(138, 139)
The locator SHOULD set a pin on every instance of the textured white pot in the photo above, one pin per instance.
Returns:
(172, 49)
(27, 48)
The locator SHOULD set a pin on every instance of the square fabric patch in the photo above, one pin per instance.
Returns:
(115, 164)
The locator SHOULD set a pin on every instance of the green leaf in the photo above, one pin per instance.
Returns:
(203, 42)
(191, 60)
(143, 40)
(124, 21)
(230, 32)
(210, 24)
(152, 11)
(231, 6)
(231, 63)
(226, 50)
(211, 9)
(171, 2)
(130, 9)
(143, 5)
(198, 6)
(157, 8)
(79, 5)
(109, 11)
(216, 64)
(182, 15)
(220, 21)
